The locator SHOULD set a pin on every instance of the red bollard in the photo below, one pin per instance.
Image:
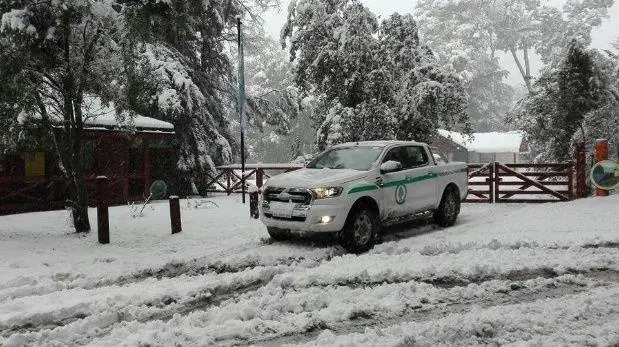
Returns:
(601, 154)
(103, 217)
(175, 214)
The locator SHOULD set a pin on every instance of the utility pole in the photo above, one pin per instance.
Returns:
(241, 101)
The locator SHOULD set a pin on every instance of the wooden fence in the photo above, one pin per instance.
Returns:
(521, 183)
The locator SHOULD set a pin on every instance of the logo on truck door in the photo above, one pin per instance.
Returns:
(400, 194)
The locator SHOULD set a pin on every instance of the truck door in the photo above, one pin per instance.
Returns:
(394, 188)
(421, 179)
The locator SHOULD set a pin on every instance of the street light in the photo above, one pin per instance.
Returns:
(241, 101)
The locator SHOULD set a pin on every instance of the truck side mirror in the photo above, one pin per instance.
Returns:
(390, 166)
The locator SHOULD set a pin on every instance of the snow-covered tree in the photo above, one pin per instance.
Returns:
(179, 70)
(53, 54)
(373, 81)
(577, 101)
(518, 27)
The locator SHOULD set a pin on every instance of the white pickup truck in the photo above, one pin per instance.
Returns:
(353, 189)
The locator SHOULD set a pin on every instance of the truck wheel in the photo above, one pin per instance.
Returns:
(448, 209)
(278, 234)
(360, 230)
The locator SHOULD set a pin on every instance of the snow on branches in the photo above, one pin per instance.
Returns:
(375, 80)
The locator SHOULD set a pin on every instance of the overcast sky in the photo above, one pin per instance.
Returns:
(602, 36)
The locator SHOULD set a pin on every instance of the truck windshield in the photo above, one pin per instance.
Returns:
(355, 158)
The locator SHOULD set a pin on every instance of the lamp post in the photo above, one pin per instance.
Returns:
(241, 101)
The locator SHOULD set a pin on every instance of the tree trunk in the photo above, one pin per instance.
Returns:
(525, 74)
(80, 208)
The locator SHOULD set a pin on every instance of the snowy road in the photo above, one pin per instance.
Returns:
(545, 274)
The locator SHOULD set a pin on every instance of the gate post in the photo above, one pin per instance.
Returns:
(497, 181)
(581, 171)
(601, 154)
(103, 217)
(570, 182)
(491, 183)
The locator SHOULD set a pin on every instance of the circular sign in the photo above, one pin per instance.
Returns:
(400, 194)
(605, 175)
(158, 189)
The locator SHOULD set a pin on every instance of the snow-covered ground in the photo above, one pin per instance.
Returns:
(522, 274)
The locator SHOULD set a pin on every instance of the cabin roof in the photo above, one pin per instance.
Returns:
(491, 142)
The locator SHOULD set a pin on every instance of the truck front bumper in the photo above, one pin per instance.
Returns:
(309, 218)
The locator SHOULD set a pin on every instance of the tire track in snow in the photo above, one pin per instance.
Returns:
(516, 293)
(198, 267)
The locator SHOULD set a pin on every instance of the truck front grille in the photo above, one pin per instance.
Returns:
(295, 195)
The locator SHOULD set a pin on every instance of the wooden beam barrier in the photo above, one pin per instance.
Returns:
(103, 217)
(175, 214)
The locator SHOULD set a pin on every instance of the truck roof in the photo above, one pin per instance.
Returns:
(378, 143)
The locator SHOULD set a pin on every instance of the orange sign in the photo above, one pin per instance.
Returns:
(34, 164)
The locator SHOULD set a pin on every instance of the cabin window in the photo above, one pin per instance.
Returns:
(34, 163)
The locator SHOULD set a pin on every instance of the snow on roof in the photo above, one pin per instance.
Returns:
(493, 142)
(98, 114)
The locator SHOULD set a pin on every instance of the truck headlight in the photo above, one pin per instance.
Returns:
(329, 192)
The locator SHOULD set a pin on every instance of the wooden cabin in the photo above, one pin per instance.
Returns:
(509, 147)
(132, 157)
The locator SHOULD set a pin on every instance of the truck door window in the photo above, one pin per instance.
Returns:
(397, 154)
(439, 157)
(417, 156)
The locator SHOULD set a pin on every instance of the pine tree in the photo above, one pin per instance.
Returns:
(572, 103)
(373, 81)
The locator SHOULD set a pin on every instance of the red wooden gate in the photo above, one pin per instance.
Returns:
(520, 183)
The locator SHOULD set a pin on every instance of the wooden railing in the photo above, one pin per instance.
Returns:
(24, 194)
(229, 178)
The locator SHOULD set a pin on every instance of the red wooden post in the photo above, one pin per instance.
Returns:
(103, 218)
(581, 170)
(259, 177)
(601, 154)
(175, 214)
(570, 182)
(146, 168)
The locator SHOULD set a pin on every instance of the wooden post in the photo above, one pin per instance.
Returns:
(570, 182)
(497, 180)
(103, 218)
(146, 166)
(491, 183)
(581, 171)
(601, 154)
(229, 186)
(253, 204)
(175, 214)
(259, 177)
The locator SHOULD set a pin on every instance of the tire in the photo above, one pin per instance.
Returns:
(278, 234)
(360, 231)
(449, 208)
